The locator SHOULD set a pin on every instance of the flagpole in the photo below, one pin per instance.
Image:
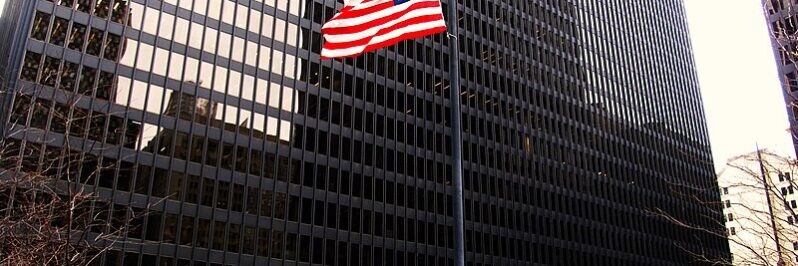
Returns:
(457, 154)
(770, 205)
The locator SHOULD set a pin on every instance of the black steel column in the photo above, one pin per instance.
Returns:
(457, 154)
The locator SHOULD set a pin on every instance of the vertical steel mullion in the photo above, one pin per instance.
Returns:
(276, 160)
(204, 143)
(371, 67)
(339, 170)
(220, 147)
(397, 144)
(126, 118)
(364, 144)
(327, 167)
(350, 169)
(262, 173)
(384, 78)
(468, 172)
(315, 156)
(429, 247)
(406, 155)
(410, 160)
(237, 135)
(439, 56)
(291, 173)
(35, 96)
(141, 144)
(174, 144)
(492, 135)
(157, 139)
(223, 131)
(178, 92)
(189, 144)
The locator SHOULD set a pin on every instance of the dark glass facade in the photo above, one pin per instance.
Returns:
(580, 120)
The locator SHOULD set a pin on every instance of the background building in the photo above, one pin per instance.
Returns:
(580, 119)
(754, 222)
(784, 29)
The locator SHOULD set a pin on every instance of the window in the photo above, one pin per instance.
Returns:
(789, 220)
(76, 37)
(793, 205)
(792, 82)
(732, 231)
(725, 191)
(783, 191)
(40, 26)
(59, 31)
(730, 217)
(728, 203)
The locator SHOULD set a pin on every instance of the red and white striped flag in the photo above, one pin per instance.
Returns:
(365, 25)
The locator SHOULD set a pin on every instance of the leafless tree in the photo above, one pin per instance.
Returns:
(757, 203)
(50, 213)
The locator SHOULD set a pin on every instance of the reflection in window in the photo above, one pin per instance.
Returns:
(119, 12)
(105, 85)
(66, 3)
(94, 42)
(86, 80)
(50, 71)
(170, 228)
(40, 25)
(30, 66)
(203, 227)
(112, 44)
(233, 238)
(218, 235)
(76, 37)
(59, 32)
(186, 230)
(69, 76)
(83, 5)
(101, 8)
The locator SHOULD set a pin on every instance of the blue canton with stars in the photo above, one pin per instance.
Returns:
(399, 2)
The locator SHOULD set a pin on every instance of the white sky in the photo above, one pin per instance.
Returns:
(739, 82)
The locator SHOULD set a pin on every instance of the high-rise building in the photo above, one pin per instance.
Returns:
(783, 25)
(581, 120)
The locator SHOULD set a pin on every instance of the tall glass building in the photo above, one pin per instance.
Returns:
(783, 25)
(582, 123)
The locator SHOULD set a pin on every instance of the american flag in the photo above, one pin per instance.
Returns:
(365, 25)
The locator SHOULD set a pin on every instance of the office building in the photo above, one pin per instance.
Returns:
(580, 118)
(783, 27)
(759, 203)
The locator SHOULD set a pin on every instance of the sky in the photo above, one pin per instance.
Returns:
(740, 88)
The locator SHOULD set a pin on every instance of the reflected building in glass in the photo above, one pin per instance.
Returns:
(219, 118)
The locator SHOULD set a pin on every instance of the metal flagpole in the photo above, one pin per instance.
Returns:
(457, 154)
(770, 205)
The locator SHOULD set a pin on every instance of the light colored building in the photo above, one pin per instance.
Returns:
(754, 224)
